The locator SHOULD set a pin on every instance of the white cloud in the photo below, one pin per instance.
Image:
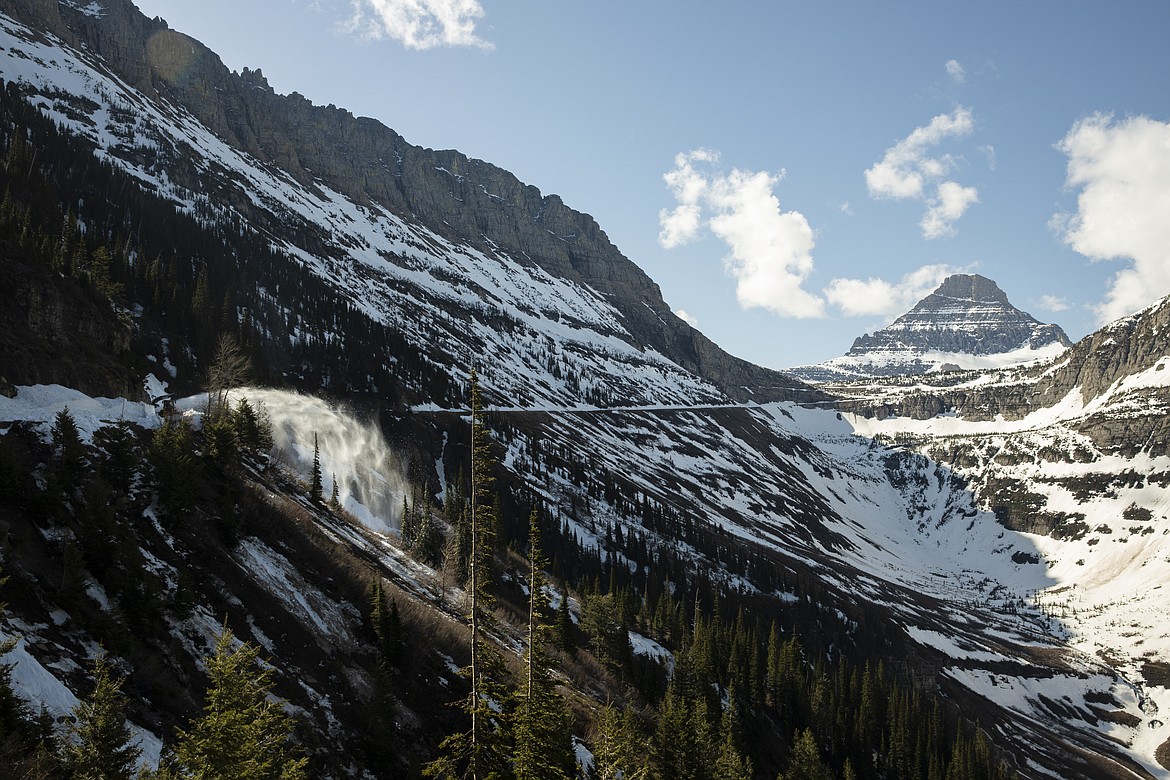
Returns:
(689, 319)
(951, 202)
(907, 168)
(1054, 303)
(1123, 172)
(419, 24)
(877, 297)
(989, 152)
(770, 250)
(681, 224)
(956, 72)
(846, 209)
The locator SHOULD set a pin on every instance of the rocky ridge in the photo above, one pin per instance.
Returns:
(468, 201)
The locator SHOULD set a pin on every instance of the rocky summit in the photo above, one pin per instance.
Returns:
(967, 323)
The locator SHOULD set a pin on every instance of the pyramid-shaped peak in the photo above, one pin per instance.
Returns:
(971, 287)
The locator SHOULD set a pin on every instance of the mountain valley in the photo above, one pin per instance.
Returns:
(980, 547)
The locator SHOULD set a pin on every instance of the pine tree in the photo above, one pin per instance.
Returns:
(387, 624)
(731, 764)
(619, 747)
(804, 762)
(668, 754)
(565, 622)
(99, 743)
(251, 428)
(544, 748)
(243, 734)
(68, 451)
(176, 469)
(315, 486)
(408, 529)
(119, 455)
(481, 752)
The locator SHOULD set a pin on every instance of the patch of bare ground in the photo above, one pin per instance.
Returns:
(1162, 754)
(1120, 717)
(1157, 673)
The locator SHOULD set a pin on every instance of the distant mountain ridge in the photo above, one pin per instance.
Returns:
(967, 323)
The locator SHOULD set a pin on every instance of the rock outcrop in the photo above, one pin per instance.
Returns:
(55, 331)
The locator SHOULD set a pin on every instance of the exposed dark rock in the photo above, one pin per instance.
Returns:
(56, 331)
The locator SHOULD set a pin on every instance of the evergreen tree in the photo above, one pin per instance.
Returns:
(99, 744)
(315, 486)
(804, 762)
(253, 429)
(119, 455)
(668, 753)
(544, 746)
(176, 469)
(482, 752)
(619, 747)
(730, 764)
(243, 734)
(221, 444)
(68, 451)
(408, 529)
(387, 624)
(565, 622)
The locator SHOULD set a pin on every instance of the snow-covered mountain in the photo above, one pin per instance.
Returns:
(452, 252)
(1002, 534)
(967, 323)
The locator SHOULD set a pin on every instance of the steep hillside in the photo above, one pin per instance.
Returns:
(391, 223)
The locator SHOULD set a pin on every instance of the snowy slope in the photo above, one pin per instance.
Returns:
(461, 304)
(1100, 525)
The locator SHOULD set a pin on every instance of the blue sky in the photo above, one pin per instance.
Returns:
(791, 174)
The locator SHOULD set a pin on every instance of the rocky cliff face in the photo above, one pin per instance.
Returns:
(967, 314)
(967, 322)
(469, 202)
(57, 331)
